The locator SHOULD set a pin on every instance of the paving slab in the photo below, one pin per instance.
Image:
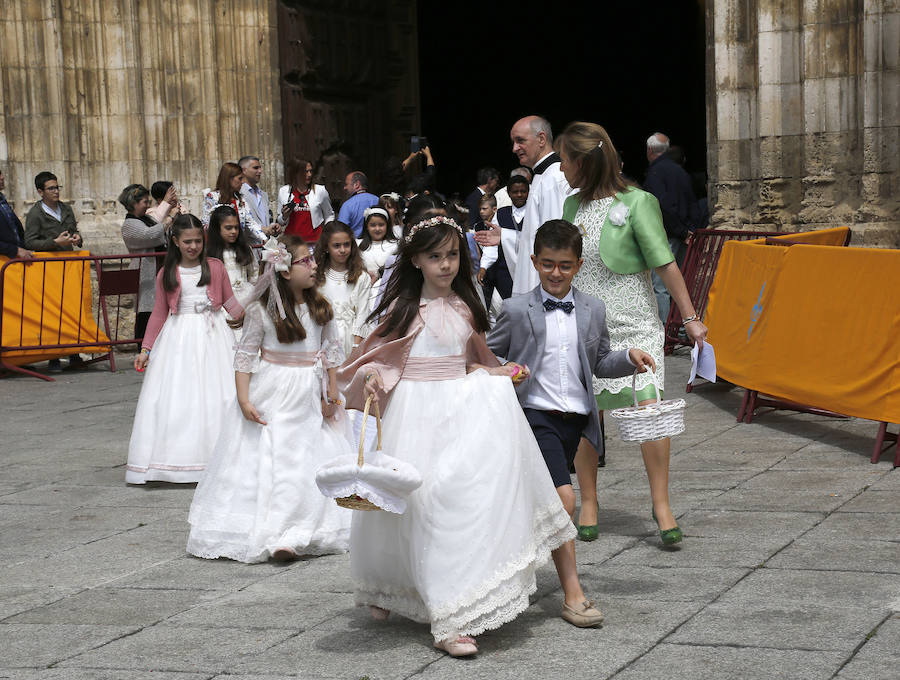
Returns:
(31, 646)
(873, 501)
(669, 584)
(776, 500)
(882, 557)
(699, 662)
(176, 648)
(99, 674)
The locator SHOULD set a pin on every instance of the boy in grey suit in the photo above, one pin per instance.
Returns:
(561, 333)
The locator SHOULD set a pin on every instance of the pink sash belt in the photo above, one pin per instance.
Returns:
(289, 358)
(435, 368)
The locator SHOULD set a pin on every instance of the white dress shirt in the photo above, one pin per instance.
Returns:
(489, 254)
(559, 383)
(56, 214)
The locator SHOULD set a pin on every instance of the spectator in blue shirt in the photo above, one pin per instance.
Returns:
(352, 212)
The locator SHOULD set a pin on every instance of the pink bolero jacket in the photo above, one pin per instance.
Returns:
(219, 293)
(388, 356)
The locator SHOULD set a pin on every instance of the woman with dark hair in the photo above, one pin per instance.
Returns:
(142, 234)
(624, 240)
(228, 192)
(303, 206)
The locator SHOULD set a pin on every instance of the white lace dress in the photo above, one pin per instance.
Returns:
(464, 554)
(377, 254)
(350, 302)
(631, 312)
(188, 391)
(259, 492)
(242, 277)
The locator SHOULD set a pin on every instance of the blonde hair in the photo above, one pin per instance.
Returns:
(589, 148)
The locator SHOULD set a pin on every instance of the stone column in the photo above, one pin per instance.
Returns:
(803, 115)
(104, 94)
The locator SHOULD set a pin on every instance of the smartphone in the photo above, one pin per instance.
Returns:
(416, 144)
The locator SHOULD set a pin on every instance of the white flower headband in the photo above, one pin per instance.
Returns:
(375, 211)
(277, 259)
(393, 195)
(431, 222)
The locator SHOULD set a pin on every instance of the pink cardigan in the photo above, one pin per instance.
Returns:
(219, 293)
(389, 355)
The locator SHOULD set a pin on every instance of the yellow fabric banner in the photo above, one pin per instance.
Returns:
(48, 303)
(814, 324)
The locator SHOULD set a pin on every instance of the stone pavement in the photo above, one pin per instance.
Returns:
(790, 568)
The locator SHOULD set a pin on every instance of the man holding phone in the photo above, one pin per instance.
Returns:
(50, 224)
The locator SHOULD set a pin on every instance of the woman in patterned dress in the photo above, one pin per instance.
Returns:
(624, 239)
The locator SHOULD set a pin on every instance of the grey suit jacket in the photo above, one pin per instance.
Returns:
(262, 215)
(521, 331)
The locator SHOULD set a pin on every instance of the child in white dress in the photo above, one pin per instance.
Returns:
(226, 241)
(343, 280)
(463, 556)
(378, 242)
(189, 388)
(259, 498)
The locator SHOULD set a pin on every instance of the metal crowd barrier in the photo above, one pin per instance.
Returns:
(699, 270)
(116, 277)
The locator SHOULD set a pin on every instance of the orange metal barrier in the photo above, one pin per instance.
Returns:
(48, 309)
(698, 270)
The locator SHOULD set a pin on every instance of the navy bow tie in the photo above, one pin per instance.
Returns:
(550, 305)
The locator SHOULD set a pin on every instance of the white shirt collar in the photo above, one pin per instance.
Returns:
(53, 213)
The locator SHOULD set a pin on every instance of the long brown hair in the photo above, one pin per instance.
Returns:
(290, 329)
(405, 284)
(589, 147)
(227, 172)
(355, 265)
(296, 175)
(173, 255)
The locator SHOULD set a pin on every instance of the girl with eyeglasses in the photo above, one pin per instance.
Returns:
(258, 499)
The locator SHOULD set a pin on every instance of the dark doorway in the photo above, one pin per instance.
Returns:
(633, 67)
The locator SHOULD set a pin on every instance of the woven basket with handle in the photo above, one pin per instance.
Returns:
(661, 419)
(355, 502)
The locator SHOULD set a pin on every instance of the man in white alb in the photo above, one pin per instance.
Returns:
(532, 143)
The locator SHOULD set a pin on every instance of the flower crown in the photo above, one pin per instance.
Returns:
(431, 222)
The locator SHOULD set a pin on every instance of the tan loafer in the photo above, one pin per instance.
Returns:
(584, 615)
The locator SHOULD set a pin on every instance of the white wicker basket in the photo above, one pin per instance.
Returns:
(664, 418)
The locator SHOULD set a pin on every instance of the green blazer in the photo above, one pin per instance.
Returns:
(639, 244)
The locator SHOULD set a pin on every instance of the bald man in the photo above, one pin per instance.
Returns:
(532, 143)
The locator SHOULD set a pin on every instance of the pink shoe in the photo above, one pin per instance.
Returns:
(462, 645)
(378, 613)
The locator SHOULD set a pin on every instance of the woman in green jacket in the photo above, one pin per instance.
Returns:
(624, 239)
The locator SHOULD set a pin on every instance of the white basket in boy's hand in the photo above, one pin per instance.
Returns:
(658, 420)
(379, 482)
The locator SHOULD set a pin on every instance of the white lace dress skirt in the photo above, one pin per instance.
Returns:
(463, 556)
(631, 311)
(259, 493)
(187, 393)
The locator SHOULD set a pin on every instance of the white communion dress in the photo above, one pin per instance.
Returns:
(464, 554)
(259, 493)
(187, 394)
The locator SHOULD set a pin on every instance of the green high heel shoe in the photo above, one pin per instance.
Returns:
(589, 532)
(668, 536)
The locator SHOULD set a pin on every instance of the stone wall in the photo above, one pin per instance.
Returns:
(803, 112)
(108, 93)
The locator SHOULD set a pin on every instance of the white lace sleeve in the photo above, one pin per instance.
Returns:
(246, 355)
(332, 345)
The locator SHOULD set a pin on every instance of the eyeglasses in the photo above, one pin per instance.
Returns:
(548, 267)
(307, 261)
(54, 188)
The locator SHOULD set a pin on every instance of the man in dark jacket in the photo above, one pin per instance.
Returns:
(671, 185)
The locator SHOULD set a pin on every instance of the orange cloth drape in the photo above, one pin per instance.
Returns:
(814, 324)
(48, 303)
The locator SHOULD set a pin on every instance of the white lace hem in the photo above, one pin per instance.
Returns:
(494, 603)
(212, 545)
